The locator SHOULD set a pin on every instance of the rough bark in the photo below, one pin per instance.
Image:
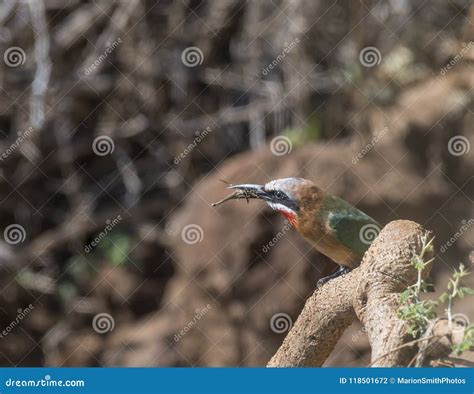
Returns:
(370, 292)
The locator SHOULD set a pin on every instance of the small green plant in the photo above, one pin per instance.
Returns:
(416, 312)
(467, 342)
(455, 289)
(419, 313)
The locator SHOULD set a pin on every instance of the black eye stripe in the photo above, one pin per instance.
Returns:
(280, 195)
(282, 198)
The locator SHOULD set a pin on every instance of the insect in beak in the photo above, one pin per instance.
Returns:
(246, 191)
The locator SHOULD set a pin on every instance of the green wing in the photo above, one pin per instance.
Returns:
(352, 227)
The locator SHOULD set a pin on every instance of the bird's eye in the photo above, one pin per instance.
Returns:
(279, 194)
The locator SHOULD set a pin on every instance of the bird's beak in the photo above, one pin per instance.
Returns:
(249, 190)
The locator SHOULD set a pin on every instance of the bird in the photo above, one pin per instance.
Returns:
(332, 225)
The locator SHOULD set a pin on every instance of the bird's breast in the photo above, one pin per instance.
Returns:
(327, 243)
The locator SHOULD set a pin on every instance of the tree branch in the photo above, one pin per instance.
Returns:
(371, 293)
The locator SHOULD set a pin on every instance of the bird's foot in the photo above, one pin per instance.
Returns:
(341, 271)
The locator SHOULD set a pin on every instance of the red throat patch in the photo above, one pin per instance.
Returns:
(291, 217)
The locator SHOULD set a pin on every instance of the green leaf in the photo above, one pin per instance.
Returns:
(467, 290)
(116, 248)
(443, 297)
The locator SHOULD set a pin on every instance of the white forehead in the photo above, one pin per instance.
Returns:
(284, 184)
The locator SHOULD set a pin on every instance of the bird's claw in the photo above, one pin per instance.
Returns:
(340, 272)
(322, 281)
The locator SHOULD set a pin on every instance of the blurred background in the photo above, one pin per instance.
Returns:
(119, 119)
